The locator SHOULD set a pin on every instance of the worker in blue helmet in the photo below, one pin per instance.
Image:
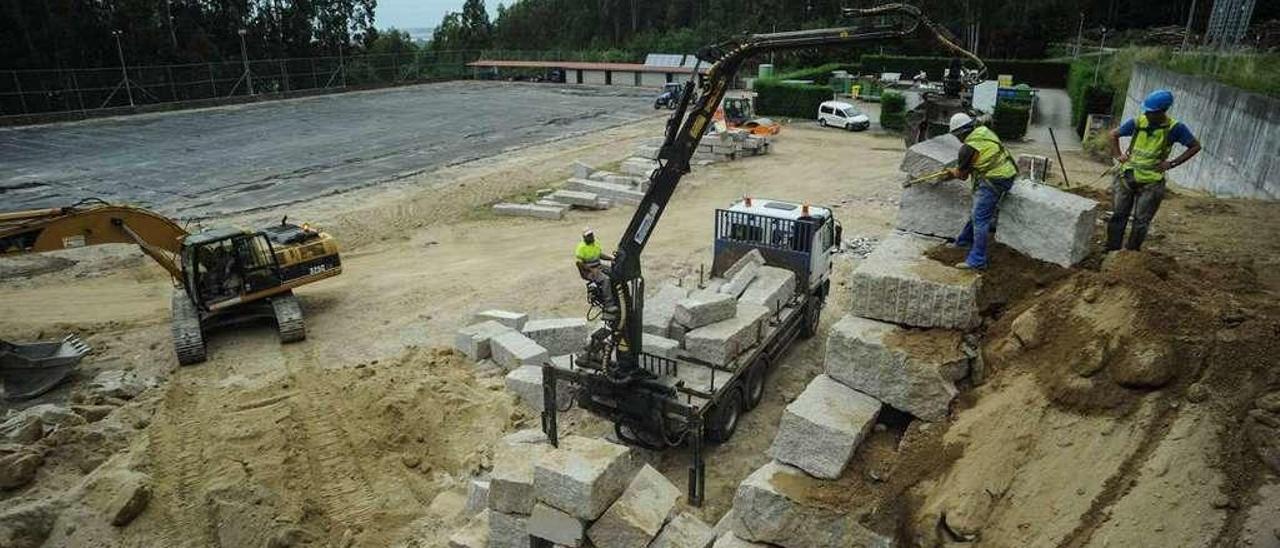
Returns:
(1140, 184)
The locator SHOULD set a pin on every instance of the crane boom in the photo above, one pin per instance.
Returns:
(94, 223)
(689, 123)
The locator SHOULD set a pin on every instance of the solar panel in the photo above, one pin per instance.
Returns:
(663, 60)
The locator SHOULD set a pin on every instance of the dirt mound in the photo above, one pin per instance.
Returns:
(1114, 413)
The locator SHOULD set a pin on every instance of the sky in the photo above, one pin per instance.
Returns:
(418, 13)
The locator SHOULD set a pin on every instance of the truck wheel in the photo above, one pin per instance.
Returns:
(812, 315)
(755, 387)
(725, 417)
(822, 122)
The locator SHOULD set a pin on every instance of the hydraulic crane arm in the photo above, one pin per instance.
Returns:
(93, 223)
(689, 122)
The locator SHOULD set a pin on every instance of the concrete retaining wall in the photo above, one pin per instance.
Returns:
(1240, 133)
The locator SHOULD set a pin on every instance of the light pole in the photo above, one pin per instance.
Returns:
(244, 56)
(128, 90)
(1101, 53)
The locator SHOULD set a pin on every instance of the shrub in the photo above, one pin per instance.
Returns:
(893, 110)
(775, 98)
(1010, 121)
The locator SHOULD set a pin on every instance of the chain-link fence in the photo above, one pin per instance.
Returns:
(28, 92)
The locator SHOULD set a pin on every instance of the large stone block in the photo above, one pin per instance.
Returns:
(1048, 224)
(648, 152)
(660, 309)
(512, 349)
(898, 283)
(821, 428)
(577, 198)
(581, 170)
(912, 370)
(618, 194)
(638, 167)
(705, 308)
(772, 288)
(730, 540)
(475, 534)
(526, 383)
(738, 276)
(931, 155)
(508, 530)
(639, 514)
(529, 210)
(684, 531)
(584, 475)
(559, 335)
(477, 496)
(558, 527)
(473, 340)
(661, 346)
(511, 482)
(719, 343)
(936, 209)
(514, 320)
(772, 505)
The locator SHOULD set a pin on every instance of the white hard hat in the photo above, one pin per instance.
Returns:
(959, 120)
(588, 232)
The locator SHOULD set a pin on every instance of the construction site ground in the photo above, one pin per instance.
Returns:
(367, 433)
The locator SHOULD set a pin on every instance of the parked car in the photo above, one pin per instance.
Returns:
(842, 115)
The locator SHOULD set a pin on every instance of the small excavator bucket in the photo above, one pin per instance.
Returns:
(30, 369)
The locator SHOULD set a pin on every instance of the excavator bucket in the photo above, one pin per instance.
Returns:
(30, 369)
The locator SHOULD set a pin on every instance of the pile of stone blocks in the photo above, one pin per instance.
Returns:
(822, 427)
(526, 383)
(512, 349)
(1037, 220)
(724, 318)
(727, 146)
(898, 283)
(586, 492)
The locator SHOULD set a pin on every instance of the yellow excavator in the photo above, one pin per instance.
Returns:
(221, 275)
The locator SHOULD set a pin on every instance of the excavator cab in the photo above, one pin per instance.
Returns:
(227, 264)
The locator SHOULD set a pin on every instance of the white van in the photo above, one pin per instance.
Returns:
(842, 115)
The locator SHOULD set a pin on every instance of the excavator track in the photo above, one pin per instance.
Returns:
(188, 337)
(289, 318)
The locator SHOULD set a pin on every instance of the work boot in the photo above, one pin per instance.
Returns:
(966, 266)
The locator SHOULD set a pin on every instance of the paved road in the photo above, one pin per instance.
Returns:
(200, 163)
(1053, 110)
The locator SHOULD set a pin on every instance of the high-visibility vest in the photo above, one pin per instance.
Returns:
(1149, 146)
(993, 161)
(588, 253)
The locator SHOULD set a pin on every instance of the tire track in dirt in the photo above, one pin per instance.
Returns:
(178, 441)
(341, 484)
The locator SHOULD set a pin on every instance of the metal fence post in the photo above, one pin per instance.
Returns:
(284, 75)
(213, 86)
(17, 85)
(75, 84)
(173, 88)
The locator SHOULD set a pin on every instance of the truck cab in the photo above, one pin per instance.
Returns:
(795, 236)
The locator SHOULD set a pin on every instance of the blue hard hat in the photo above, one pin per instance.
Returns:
(1158, 101)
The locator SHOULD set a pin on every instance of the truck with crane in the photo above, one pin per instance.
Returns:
(659, 402)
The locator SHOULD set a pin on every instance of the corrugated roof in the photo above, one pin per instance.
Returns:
(575, 65)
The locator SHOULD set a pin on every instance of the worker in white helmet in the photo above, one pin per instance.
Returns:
(984, 158)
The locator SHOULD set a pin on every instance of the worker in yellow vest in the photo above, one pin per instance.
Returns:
(984, 158)
(1140, 185)
(589, 256)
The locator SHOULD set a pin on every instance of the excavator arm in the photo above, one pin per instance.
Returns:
(93, 223)
(689, 123)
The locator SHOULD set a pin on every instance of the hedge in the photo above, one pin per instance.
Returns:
(1049, 74)
(893, 110)
(1010, 121)
(774, 98)
(819, 74)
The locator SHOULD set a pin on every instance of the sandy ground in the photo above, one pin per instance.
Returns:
(364, 436)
